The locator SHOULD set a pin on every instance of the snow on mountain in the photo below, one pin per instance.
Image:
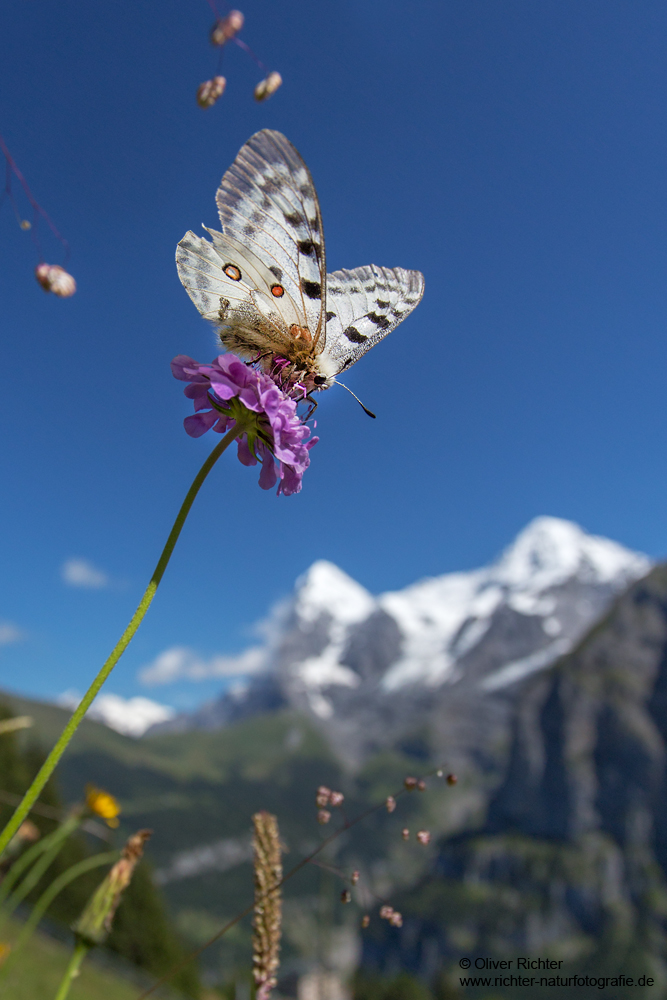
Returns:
(130, 716)
(371, 668)
(441, 620)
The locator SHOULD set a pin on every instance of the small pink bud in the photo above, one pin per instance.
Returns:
(386, 912)
(424, 837)
(54, 278)
(410, 783)
(226, 27)
(405, 833)
(268, 86)
(323, 796)
(365, 920)
(336, 798)
(354, 878)
(323, 816)
(346, 896)
(209, 91)
(451, 779)
(421, 785)
(390, 803)
(396, 920)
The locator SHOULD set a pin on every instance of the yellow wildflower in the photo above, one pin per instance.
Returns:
(103, 804)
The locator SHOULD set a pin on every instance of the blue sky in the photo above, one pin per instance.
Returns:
(514, 152)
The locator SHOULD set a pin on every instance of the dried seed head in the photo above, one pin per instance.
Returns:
(346, 896)
(354, 878)
(410, 783)
(405, 833)
(386, 912)
(267, 920)
(421, 785)
(336, 798)
(226, 27)
(28, 832)
(451, 779)
(424, 837)
(396, 920)
(268, 86)
(210, 90)
(54, 278)
(323, 816)
(390, 803)
(365, 920)
(94, 924)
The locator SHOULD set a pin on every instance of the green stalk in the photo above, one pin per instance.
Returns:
(39, 868)
(80, 951)
(49, 894)
(24, 861)
(51, 761)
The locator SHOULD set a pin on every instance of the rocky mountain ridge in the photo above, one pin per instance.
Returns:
(375, 671)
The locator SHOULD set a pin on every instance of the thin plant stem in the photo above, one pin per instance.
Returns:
(51, 761)
(47, 897)
(80, 951)
(39, 868)
(23, 862)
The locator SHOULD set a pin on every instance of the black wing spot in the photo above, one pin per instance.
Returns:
(380, 321)
(312, 289)
(381, 304)
(307, 247)
(330, 315)
(277, 273)
(353, 334)
(397, 313)
(249, 230)
(293, 218)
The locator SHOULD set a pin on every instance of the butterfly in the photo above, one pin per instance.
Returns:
(262, 281)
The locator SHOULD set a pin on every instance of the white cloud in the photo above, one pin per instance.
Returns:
(130, 716)
(10, 633)
(180, 663)
(81, 573)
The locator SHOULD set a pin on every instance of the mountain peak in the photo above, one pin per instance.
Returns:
(550, 551)
(326, 588)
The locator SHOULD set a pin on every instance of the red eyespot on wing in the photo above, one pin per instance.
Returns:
(277, 291)
(232, 271)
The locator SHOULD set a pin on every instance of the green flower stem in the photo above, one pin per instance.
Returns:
(40, 867)
(23, 862)
(80, 951)
(51, 761)
(47, 897)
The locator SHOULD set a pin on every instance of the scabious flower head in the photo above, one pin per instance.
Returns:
(228, 391)
(103, 805)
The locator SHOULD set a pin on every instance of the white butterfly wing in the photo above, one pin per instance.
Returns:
(267, 202)
(363, 306)
(242, 308)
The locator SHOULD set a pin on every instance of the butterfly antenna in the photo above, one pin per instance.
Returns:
(364, 408)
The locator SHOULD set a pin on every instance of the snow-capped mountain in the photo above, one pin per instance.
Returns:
(373, 669)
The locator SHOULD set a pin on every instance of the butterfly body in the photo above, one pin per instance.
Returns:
(262, 281)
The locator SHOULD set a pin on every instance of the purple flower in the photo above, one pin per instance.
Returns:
(223, 392)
